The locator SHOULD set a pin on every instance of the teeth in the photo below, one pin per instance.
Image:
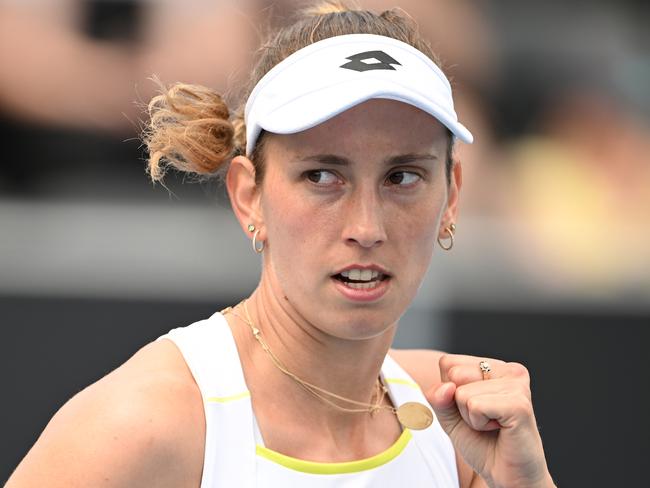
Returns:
(366, 274)
(361, 274)
(363, 286)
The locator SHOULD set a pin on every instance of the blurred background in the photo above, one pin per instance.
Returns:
(551, 265)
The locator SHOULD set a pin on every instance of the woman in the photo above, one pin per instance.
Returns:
(340, 170)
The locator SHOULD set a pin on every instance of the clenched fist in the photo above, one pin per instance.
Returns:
(490, 420)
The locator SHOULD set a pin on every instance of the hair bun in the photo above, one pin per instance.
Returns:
(189, 130)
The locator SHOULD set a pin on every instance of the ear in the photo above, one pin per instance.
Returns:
(450, 214)
(244, 193)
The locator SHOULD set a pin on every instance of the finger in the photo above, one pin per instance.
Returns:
(500, 386)
(443, 402)
(477, 408)
(509, 410)
(469, 364)
(462, 374)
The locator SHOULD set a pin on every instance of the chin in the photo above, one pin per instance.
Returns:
(358, 324)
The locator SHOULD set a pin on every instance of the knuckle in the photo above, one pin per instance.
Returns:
(445, 362)
(522, 407)
(472, 404)
(454, 374)
(461, 395)
(518, 370)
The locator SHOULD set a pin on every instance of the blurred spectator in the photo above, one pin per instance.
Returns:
(577, 147)
(83, 63)
(581, 188)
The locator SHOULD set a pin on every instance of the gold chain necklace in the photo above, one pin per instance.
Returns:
(411, 415)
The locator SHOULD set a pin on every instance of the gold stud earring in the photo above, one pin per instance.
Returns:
(251, 228)
(449, 230)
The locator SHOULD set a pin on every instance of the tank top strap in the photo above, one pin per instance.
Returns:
(433, 442)
(210, 352)
(400, 384)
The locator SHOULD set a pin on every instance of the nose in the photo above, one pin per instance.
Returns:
(364, 220)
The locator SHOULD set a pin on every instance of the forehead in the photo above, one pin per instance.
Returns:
(377, 124)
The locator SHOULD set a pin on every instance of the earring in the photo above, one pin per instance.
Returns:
(251, 228)
(257, 249)
(449, 230)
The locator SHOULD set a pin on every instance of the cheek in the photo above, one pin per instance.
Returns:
(297, 232)
(417, 226)
(415, 234)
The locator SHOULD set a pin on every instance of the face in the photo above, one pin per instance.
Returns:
(364, 191)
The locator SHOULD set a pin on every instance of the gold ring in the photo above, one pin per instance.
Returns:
(485, 369)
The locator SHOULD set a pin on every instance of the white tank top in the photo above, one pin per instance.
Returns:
(235, 455)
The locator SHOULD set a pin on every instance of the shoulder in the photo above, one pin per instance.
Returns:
(420, 364)
(141, 425)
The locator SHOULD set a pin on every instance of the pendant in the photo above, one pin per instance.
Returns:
(414, 416)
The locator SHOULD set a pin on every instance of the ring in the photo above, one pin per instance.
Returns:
(485, 369)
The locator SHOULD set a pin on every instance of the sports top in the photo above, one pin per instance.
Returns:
(235, 454)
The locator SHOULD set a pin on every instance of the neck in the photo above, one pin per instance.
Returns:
(348, 368)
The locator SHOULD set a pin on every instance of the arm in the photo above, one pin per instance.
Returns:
(131, 428)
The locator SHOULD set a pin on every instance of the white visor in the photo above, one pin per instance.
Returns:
(331, 76)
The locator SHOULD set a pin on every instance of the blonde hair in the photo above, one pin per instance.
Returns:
(191, 128)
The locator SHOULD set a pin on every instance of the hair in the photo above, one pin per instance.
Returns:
(191, 128)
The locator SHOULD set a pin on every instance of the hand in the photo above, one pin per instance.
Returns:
(491, 422)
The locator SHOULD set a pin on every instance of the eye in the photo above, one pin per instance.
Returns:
(403, 178)
(322, 177)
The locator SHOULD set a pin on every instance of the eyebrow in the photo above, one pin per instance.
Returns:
(336, 160)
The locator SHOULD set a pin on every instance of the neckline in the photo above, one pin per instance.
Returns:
(314, 467)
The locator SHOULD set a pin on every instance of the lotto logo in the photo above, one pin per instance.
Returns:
(360, 62)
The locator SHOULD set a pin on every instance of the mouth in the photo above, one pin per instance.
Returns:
(361, 278)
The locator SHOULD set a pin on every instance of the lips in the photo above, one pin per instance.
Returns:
(363, 267)
(361, 277)
(362, 292)
(362, 282)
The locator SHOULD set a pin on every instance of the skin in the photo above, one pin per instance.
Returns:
(315, 217)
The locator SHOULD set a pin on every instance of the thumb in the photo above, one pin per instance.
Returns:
(442, 399)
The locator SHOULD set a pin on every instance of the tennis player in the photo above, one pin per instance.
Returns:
(339, 168)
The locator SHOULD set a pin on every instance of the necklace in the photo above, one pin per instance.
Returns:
(411, 415)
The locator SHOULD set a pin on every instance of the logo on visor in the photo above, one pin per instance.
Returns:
(380, 59)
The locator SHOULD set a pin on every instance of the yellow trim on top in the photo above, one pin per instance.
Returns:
(227, 399)
(402, 381)
(337, 468)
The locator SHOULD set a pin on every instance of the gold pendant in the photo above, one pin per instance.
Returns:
(414, 416)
